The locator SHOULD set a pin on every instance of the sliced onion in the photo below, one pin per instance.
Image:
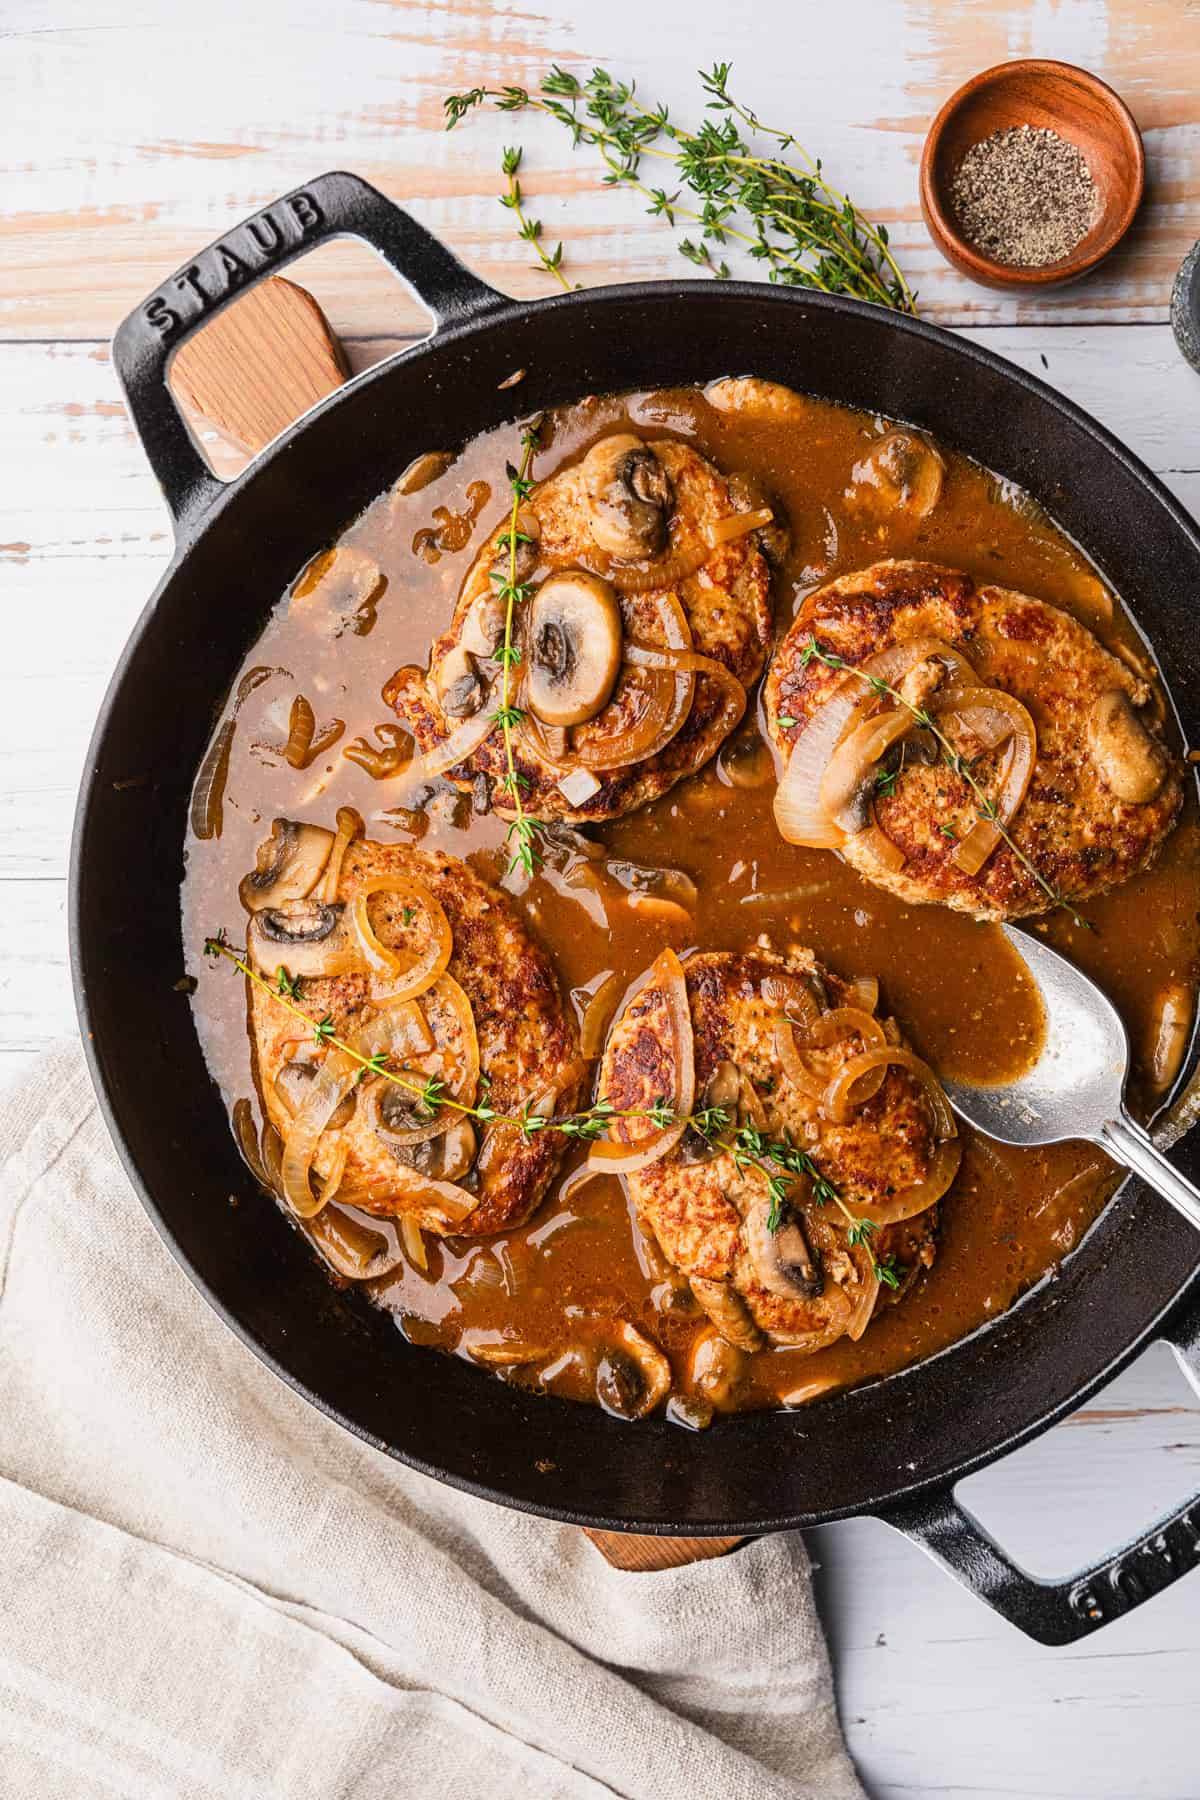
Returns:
(332, 1083)
(878, 844)
(798, 811)
(991, 715)
(302, 723)
(352, 1249)
(465, 1086)
(924, 1194)
(792, 1063)
(597, 1016)
(733, 694)
(462, 743)
(664, 573)
(349, 825)
(794, 994)
(414, 1243)
(830, 1028)
(443, 1203)
(736, 525)
(272, 1155)
(863, 992)
(863, 1313)
(333, 1181)
(616, 1156)
(799, 814)
(668, 703)
(206, 811)
(853, 761)
(423, 970)
(839, 1101)
(247, 1140)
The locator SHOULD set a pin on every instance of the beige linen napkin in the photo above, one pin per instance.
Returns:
(210, 1592)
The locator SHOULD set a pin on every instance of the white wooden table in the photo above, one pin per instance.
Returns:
(131, 134)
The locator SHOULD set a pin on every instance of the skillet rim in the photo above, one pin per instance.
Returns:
(503, 311)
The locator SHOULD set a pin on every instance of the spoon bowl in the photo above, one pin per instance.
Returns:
(1076, 1087)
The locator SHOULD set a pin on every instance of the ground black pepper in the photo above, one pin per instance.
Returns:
(1024, 197)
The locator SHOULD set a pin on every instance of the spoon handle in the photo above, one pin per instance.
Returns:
(1127, 1143)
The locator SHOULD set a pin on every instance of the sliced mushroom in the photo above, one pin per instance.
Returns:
(575, 636)
(455, 1151)
(901, 473)
(629, 495)
(483, 628)
(1130, 763)
(783, 1260)
(287, 865)
(529, 530)
(724, 1086)
(749, 495)
(632, 1376)
(306, 936)
(457, 684)
(1172, 1029)
(728, 1312)
(293, 1082)
(716, 1368)
(398, 1112)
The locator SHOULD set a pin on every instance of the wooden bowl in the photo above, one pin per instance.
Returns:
(1079, 107)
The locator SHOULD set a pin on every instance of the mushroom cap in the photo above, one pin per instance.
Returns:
(1129, 761)
(901, 473)
(287, 866)
(629, 495)
(573, 654)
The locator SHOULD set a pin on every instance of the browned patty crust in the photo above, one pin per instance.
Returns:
(527, 1046)
(1072, 827)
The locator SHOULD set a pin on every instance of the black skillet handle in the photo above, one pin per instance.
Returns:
(1061, 1612)
(334, 205)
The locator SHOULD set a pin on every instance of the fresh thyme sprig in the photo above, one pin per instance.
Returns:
(987, 809)
(772, 1159)
(523, 832)
(783, 211)
(530, 229)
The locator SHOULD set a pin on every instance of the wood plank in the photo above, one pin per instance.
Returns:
(103, 199)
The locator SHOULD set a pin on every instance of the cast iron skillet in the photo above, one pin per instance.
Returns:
(893, 1448)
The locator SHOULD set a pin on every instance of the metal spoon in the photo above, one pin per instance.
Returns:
(1076, 1088)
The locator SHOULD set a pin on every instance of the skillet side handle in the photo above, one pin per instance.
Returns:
(1050, 1612)
(1062, 1612)
(334, 205)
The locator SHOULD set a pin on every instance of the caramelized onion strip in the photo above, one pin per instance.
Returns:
(333, 1082)
(854, 762)
(799, 812)
(991, 716)
(667, 704)
(463, 742)
(419, 972)
(922, 1195)
(615, 1156)
(349, 824)
(863, 1313)
(355, 1251)
(841, 1097)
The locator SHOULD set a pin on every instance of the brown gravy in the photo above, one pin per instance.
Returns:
(954, 984)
